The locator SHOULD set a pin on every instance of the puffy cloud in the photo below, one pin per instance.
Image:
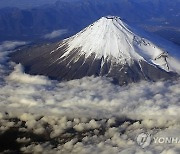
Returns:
(23, 140)
(5, 49)
(55, 34)
(55, 134)
(9, 45)
(18, 75)
(91, 97)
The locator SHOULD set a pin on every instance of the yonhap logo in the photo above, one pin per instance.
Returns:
(144, 139)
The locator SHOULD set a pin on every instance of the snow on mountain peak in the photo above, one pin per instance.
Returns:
(111, 38)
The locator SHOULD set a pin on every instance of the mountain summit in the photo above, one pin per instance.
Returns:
(108, 47)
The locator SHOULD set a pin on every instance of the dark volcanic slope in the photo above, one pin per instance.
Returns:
(40, 60)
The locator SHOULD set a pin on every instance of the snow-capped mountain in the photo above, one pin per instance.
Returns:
(108, 47)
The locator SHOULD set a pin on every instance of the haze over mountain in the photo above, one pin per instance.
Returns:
(159, 16)
(108, 47)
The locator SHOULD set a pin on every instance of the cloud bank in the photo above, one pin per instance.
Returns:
(9, 45)
(90, 115)
(55, 34)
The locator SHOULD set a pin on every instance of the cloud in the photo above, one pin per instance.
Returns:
(90, 115)
(18, 75)
(92, 97)
(57, 134)
(8, 45)
(55, 34)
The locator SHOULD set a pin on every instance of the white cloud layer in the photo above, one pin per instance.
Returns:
(18, 76)
(63, 135)
(55, 34)
(90, 115)
(8, 45)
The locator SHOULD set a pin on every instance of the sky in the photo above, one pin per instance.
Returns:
(24, 3)
(89, 115)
